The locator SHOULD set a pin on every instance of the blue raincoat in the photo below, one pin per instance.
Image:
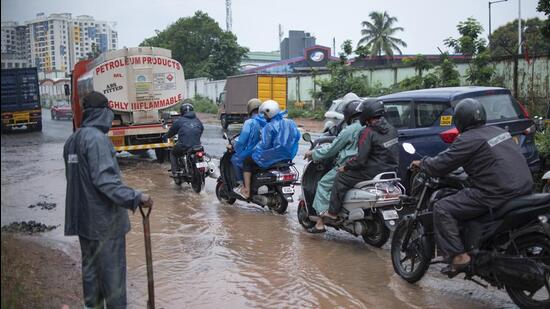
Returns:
(247, 141)
(279, 142)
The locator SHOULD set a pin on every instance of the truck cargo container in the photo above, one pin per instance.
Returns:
(21, 99)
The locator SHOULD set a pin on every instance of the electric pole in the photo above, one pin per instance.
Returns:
(228, 18)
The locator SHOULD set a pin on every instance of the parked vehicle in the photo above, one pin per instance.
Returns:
(272, 188)
(20, 99)
(61, 110)
(142, 84)
(425, 119)
(241, 88)
(510, 247)
(371, 209)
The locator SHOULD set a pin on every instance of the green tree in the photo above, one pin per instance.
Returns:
(544, 6)
(471, 44)
(378, 34)
(420, 64)
(447, 73)
(201, 46)
(504, 40)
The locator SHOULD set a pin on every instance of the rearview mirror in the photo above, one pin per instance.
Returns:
(307, 137)
(409, 148)
(224, 135)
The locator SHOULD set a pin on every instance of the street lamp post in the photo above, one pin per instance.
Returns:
(490, 3)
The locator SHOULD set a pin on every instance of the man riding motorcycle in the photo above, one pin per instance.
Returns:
(497, 171)
(248, 139)
(345, 146)
(279, 143)
(378, 152)
(189, 130)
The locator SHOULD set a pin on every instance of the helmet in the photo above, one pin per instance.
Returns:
(269, 108)
(370, 108)
(350, 96)
(186, 107)
(469, 113)
(350, 111)
(253, 104)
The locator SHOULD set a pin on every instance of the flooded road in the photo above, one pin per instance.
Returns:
(211, 255)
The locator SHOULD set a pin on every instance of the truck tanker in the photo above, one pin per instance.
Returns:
(142, 85)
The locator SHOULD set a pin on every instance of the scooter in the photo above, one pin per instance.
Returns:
(371, 209)
(510, 247)
(272, 188)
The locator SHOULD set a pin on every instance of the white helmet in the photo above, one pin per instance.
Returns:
(269, 108)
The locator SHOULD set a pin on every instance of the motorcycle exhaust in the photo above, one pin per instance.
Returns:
(260, 200)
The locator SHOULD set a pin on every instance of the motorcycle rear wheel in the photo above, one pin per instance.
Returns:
(536, 246)
(379, 236)
(280, 205)
(414, 253)
(223, 195)
(303, 217)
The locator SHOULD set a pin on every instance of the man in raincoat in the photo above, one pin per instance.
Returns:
(279, 143)
(345, 146)
(248, 139)
(97, 204)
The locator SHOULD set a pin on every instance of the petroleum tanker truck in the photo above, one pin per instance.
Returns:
(142, 84)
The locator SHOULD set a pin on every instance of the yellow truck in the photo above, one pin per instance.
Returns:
(241, 88)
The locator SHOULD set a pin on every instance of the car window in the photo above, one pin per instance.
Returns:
(500, 107)
(427, 113)
(398, 114)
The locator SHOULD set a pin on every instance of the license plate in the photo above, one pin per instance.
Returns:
(288, 190)
(390, 214)
(201, 164)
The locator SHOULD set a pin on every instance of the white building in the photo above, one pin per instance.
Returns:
(15, 42)
(56, 42)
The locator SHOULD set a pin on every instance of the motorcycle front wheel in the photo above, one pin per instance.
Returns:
(411, 263)
(536, 247)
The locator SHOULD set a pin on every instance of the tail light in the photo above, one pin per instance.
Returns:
(200, 154)
(523, 109)
(531, 129)
(449, 136)
(6, 116)
(286, 177)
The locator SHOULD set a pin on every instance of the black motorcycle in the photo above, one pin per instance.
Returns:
(272, 188)
(193, 167)
(510, 247)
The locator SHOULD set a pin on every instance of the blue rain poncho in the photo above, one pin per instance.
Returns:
(247, 141)
(280, 138)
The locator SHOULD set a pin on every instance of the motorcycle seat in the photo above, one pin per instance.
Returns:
(282, 164)
(537, 199)
(195, 149)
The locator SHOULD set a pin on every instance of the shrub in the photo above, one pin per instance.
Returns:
(204, 105)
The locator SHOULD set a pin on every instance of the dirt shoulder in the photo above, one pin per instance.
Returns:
(308, 125)
(35, 276)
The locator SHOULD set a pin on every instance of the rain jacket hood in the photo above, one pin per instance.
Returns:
(279, 142)
(100, 118)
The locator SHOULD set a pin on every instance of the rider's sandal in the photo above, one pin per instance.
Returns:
(325, 214)
(315, 230)
(452, 270)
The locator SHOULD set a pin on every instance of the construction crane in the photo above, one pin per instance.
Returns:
(228, 18)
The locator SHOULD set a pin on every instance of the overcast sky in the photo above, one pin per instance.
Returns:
(427, 22)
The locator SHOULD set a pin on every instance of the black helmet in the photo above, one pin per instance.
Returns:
(469, 113)
(370, 108)
(186, 107)
(351, 111)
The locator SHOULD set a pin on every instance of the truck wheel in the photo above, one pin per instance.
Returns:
(224, 122)
(38, 127)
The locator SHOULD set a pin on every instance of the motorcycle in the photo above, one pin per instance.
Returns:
(193, 167)
(510, 247)
(272, 188)
(371, 209)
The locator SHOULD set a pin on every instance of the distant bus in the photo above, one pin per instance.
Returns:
(20, 99)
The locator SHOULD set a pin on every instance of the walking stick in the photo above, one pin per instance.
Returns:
(148, 257)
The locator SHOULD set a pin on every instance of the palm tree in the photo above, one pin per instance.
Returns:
(378, 34)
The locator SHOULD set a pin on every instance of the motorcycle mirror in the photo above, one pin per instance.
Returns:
(409, 148)
(306, 137)
(224, 135)
(165, 126)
